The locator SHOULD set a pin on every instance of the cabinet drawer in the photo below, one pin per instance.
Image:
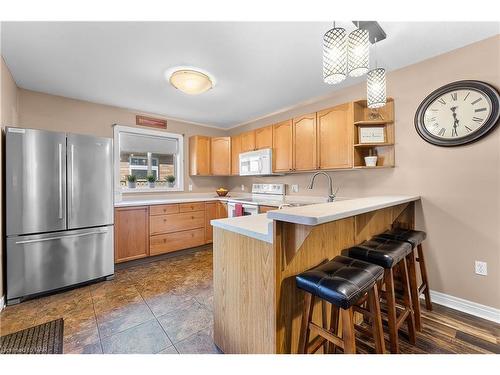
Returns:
(190, 207)
(165, 243)
(176, 222)
(164, 209)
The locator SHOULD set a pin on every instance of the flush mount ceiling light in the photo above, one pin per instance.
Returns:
(192, 81)
(334, 55)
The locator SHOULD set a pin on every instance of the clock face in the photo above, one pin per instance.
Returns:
(457, 113)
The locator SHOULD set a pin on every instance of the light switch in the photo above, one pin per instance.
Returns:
(295, 188)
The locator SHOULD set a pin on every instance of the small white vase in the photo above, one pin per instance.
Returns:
(131, 185)
(371, 161)
(152, 185)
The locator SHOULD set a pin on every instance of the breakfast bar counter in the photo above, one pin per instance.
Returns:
(257, 308)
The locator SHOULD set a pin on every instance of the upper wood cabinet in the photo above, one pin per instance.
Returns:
(264, 137)
(283, 146)
(335, 137)
(235, 154)
(220, 160)
(247, 141)
(304, 143)
(131, 233)
(199, 155)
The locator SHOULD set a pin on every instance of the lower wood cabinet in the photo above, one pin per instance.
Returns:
(264, 209)
(166, 243)
(131, 233)
(158, 229)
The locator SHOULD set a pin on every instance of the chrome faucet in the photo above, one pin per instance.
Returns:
(331, 194)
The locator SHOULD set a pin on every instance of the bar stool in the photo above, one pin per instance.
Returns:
(342, 282)
(415, 239)
(391, 255)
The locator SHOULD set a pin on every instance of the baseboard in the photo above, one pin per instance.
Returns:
(2, 303)
(469, 307)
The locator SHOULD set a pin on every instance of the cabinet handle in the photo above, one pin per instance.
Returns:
(164, 220)
(192, 217)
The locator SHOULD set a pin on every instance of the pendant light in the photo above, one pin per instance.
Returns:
(358, 52)
(376, 85)
(334, 55)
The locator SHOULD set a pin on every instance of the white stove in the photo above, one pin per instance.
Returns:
(262, 194)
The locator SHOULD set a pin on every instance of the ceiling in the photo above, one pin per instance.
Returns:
(260, 67)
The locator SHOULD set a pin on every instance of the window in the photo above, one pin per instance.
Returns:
(142, 153)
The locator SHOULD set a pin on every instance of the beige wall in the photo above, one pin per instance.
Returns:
(8, 116)
(43, 111)
(460, 187)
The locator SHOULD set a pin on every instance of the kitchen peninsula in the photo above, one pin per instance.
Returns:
(257, 308)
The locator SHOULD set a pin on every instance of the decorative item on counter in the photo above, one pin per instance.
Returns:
(152, 180)
(171, 181)
(372, 134)
(131, 181)
(371, 160)
(221, 192)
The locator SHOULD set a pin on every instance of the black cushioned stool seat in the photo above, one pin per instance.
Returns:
(347, 284)
(413, 237)
(390, 254)
(341, 281)
(381, 251)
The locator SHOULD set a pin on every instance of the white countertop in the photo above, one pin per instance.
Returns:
(255, 226)
(325, 212)
(178, 199)
(261, 226)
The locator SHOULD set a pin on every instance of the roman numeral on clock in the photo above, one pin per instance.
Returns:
(454, 96)
(441, 100)
(468, 129)
(442, 131)
(480, 110)
(476, 101)
(477, 119)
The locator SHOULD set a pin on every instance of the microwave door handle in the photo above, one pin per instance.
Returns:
(259, 162)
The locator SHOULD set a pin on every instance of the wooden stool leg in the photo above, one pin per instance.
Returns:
(412, 274)
(410, 319)
(334, 327)
(378, 333)
(324, 321)
(423, 274)
(348, 336)
(391, 311)
(306, 319)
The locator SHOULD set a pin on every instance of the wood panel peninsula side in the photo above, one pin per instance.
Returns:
(257, 308)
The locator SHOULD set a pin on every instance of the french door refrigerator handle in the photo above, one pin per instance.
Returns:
(102, 231)
(60, 182)
(70, 201)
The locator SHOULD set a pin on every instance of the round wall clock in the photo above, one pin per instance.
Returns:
(458, 113)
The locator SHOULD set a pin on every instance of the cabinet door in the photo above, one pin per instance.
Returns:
(304, 143)
(335, 131)
(131, 233)
(199, 155)
(247, 141)
(282, 146)
(210, 214)
(235, 154)
(221, 210)
(220, 156)
(264, 137)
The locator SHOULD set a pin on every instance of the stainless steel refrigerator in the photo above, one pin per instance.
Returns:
(59, 210)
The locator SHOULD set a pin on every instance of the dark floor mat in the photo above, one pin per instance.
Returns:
(46, 338)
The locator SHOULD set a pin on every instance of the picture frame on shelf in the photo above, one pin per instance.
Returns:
(372, 134)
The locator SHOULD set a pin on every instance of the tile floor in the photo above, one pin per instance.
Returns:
(165, 306)
(159, 307)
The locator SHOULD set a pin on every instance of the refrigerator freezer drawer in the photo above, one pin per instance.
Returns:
(41, 263)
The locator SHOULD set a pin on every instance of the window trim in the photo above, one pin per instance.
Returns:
(157, 133)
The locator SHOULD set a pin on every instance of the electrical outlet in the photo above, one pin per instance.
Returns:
(481, 268)
(190, 187)
(242, 187)
(295, 188)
